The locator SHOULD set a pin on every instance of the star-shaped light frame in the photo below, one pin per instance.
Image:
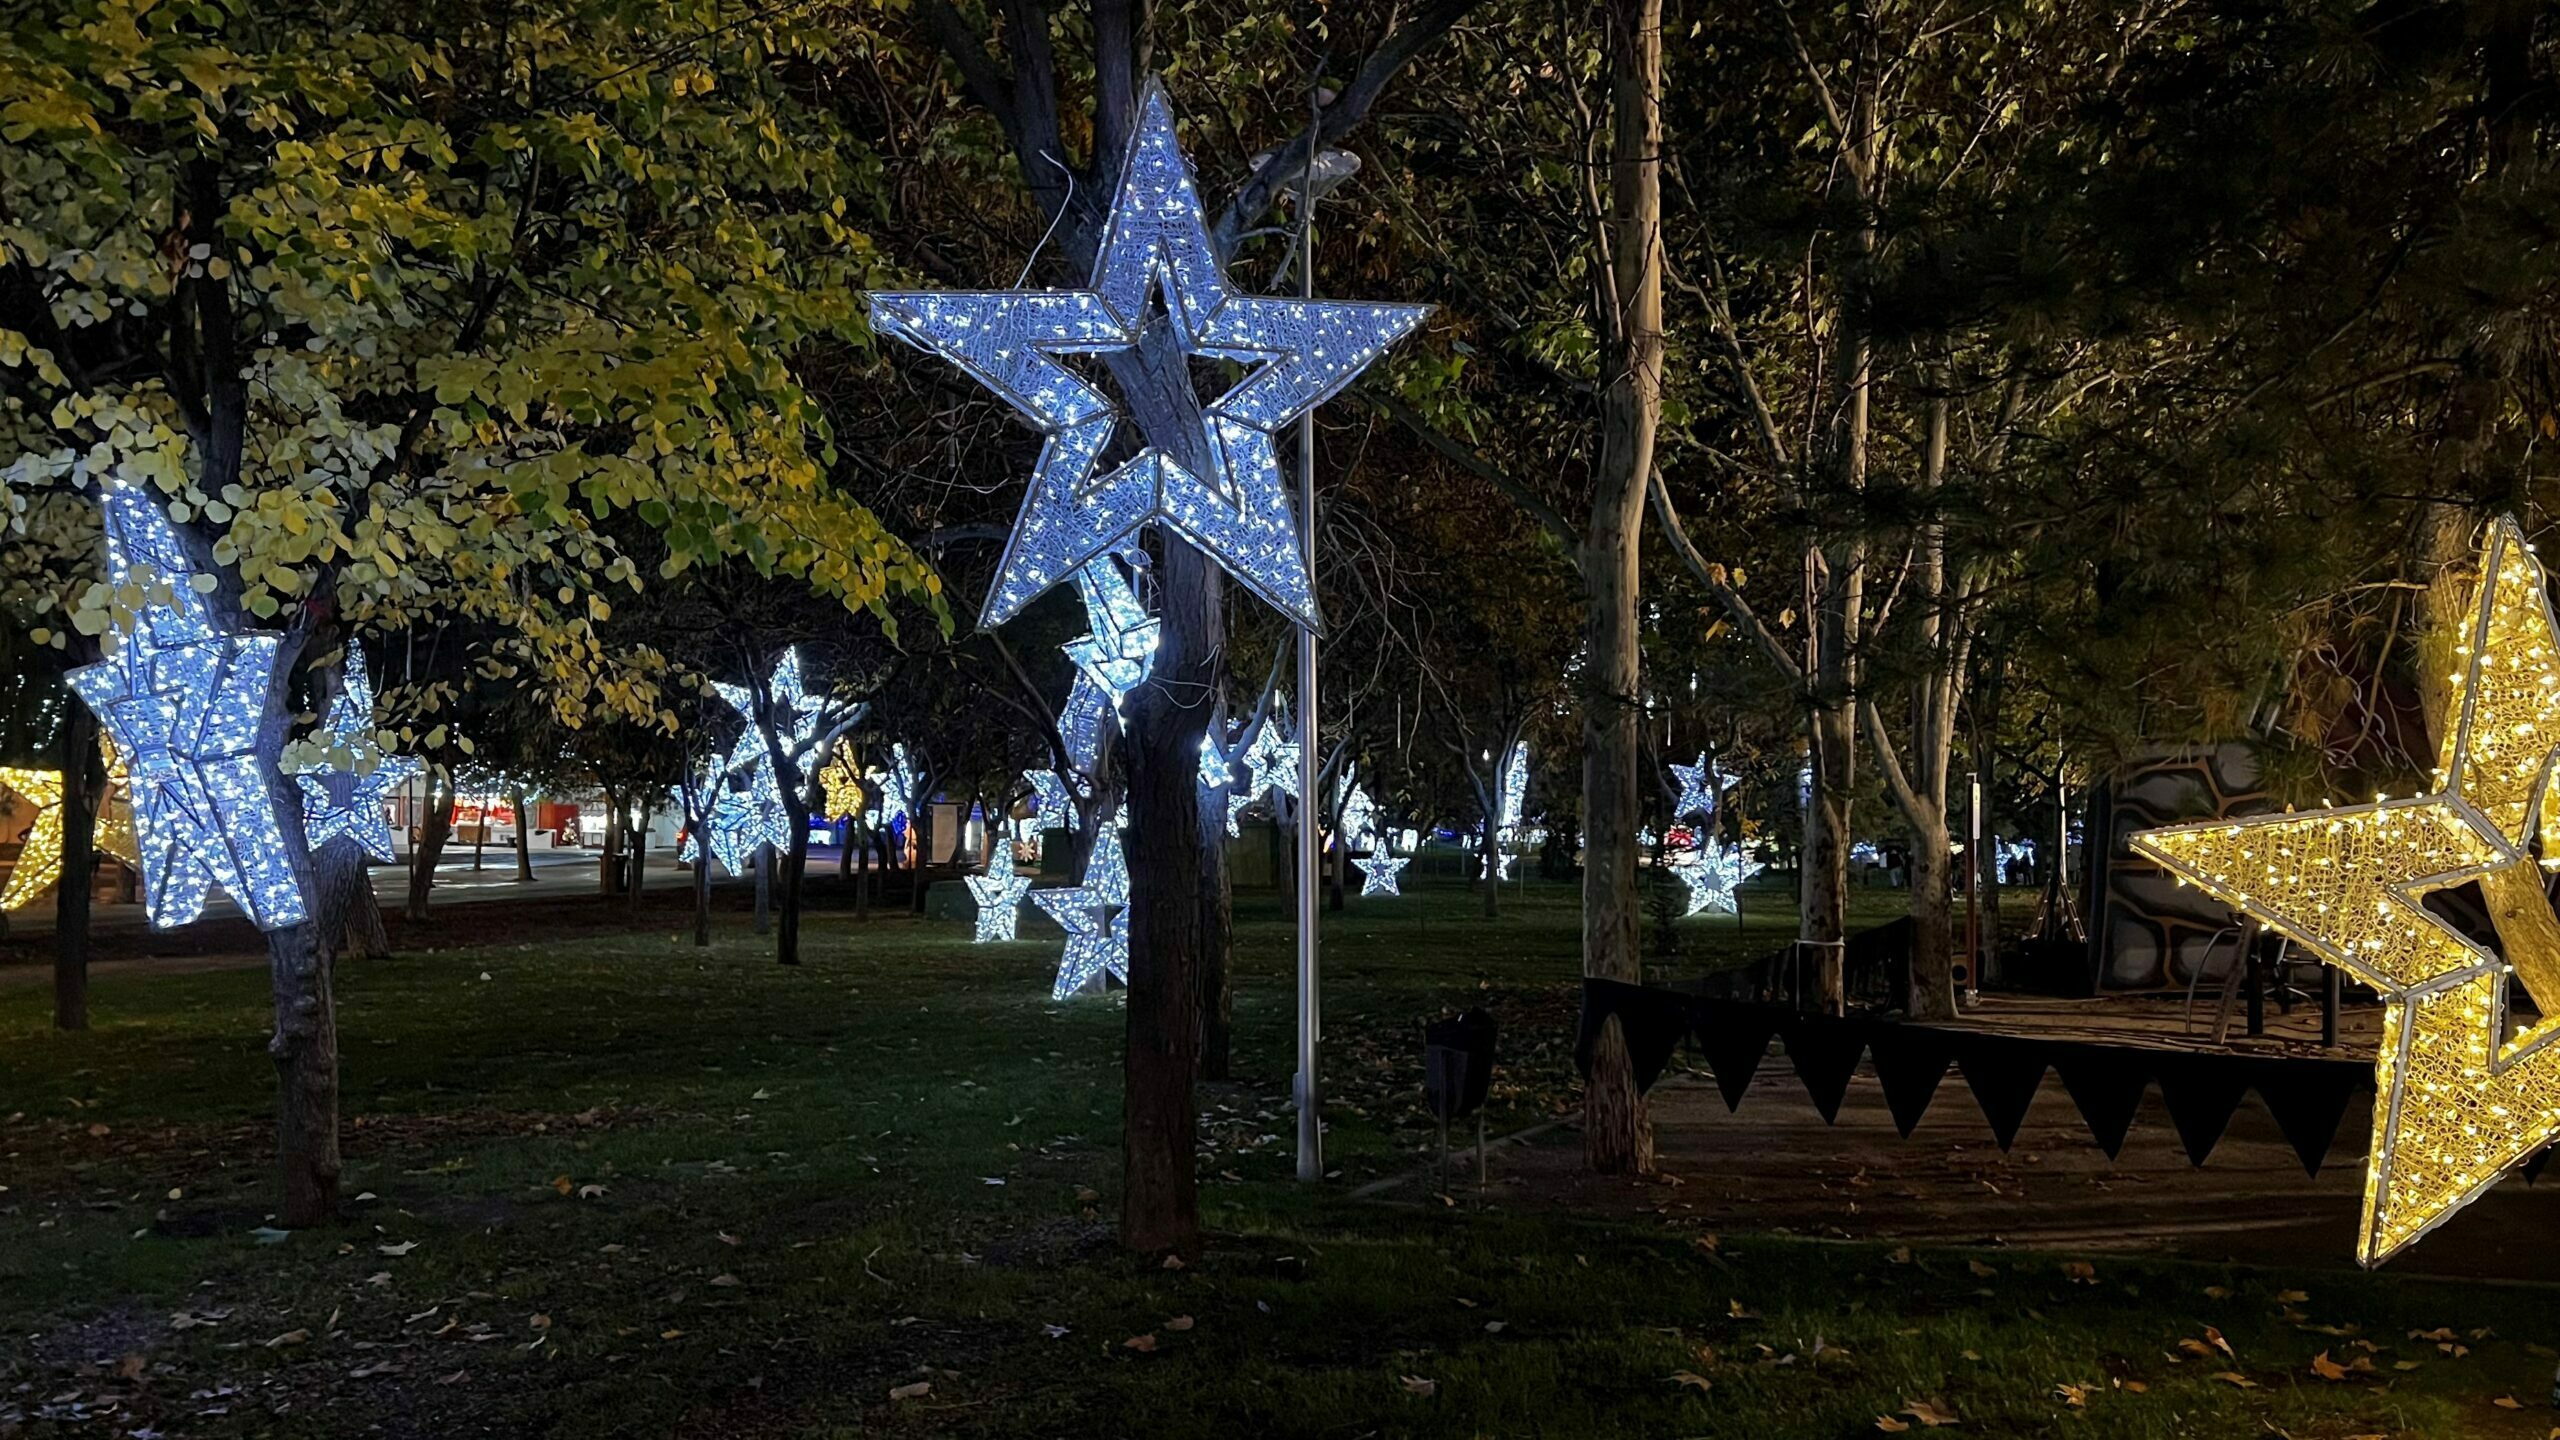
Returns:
(348, 801)
(2458, 1105)
(1095, 916)
(195, 707)
(1272, 758)
(1381, 869)
(39, 861)
(1697, 788)
(999, 895)
(1217, 484)
(1713, 876)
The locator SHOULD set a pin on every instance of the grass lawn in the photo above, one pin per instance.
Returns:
(624, 1187)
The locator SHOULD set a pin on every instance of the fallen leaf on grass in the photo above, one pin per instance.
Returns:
(724, 1282)
(1928, 1413)
(1889, 1425)
(290, 1337)
(2080, 1272)
(2507, 1402)
(396, 1251)
(916, 1391)
(1178, 1323)
(1691, 1378)
(1900, 1255)
(2075, 1396)
(1980, 1270)
(563, 1184)
(2234, 1377)
(1144, 1344)
(2134, 1386)
(270, 1235)
(2292, 1297)
(1416, 1385)
(1173, 1262)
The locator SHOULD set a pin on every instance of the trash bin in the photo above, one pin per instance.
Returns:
(1457, 1071)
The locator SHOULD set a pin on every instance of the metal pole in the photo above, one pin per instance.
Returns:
(1310, 992)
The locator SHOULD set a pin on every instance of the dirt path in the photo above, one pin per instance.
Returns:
(1774, 1166)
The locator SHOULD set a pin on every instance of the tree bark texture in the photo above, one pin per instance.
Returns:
(524, 833)
(1617, 1135)
(84, 788)
(1217, 932)
(433, 829)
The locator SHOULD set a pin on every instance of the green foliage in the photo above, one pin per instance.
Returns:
(488, 284)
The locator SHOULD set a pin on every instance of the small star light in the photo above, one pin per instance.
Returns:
(39, 861)
(2458, 1106)
(846, 796)
(196, 710)
(1713, 875)
(1273, 756)
(1382, 870)
(999, 895)
(1697, 788)
(1094, 914)
(347, 798)
(1055, 809)
(1214, 479)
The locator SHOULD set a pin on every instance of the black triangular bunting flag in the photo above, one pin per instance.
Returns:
(1735, 1039)
(2533, 1167)
(2003, 1074)
(2107, 1085)
(1910, 1061)
(2308, 1099)
(1825, 1054)
(1651, 1020)
(2201, 1091)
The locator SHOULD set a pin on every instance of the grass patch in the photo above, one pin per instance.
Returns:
(623, 1187)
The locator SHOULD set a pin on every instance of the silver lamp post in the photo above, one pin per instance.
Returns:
(1325, 170)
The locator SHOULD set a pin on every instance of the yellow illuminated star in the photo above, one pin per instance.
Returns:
(843, 784)
(40, 855)
(2459, 1101)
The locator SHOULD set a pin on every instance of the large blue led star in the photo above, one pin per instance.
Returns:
(747, 809)
(999, 894)
(195, 709)
(1050, 801)
(1215, 480)
(347, 800)
(1095, 916)
(1697, 788)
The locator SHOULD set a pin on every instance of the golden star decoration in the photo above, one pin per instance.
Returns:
(39, 861)
(2459, 1102)
(843, 786)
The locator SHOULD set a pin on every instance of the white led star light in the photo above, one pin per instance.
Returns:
(1273, 756)
(196, 709)
(999, 895)
(1054, 809)
(1697, 788)
(1381, 869)
(898, 787)
(347, 800)
(1713, 875)
(1094, 914)
(1213, 477)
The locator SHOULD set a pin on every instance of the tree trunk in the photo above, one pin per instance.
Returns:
(1986, 873)
(1933, 986)
(84, 788)
(363, 931)
(1822, 920)
(609, 866)
(1217, 941)
(1617, 1136)
(920, 823)
(1491, 847)
(701, 887)
(305, 1043)
(636, 858)
(480, 837)
(764, 889)
(433, 829)
(524, 834)
(786, 946)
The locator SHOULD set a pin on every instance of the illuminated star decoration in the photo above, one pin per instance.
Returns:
(1713, 875)
(1218, 778)
(1095, 916)
(1382, 870)
(1359, 815)
(2456, 1108)
(196, 710)
(39, 861)
(750, 814)
(1697, 788)
(1055, 810)
(999, 895)
(842, 782)
(347, 800)
(1273, 756)
(1213, 477)
(898, 787)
